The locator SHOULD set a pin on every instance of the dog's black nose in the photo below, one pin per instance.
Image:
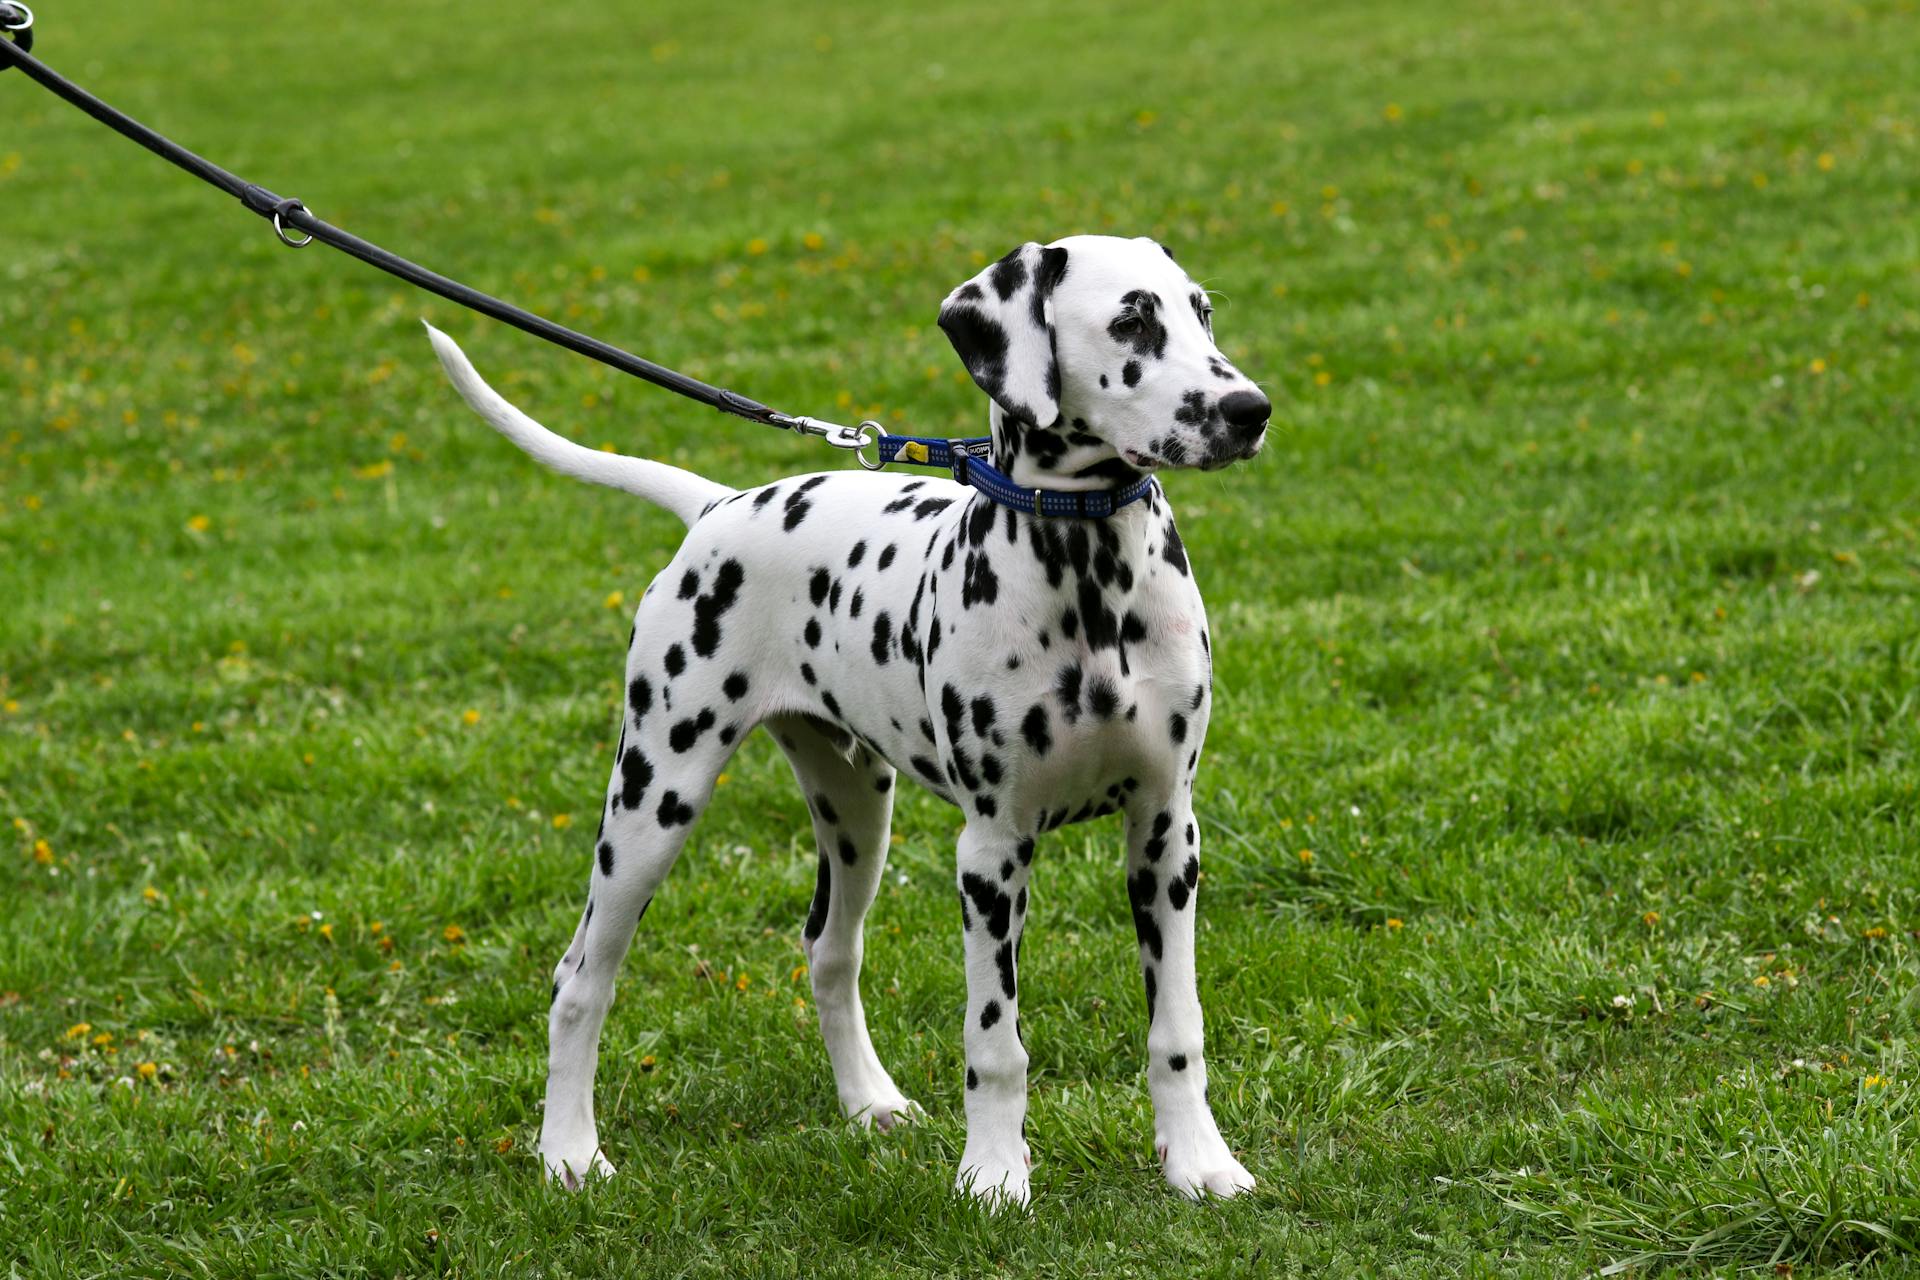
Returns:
(1246, 411)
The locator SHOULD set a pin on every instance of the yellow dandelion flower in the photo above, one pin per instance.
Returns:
(147, 1070)
(1876, 932)
(374, 471)
(740, 983)
(1825, 162)
(1393, 113)
(757, 246)
(326, 931)
(1875, 1081)
(1306, 857)
(79, 1030)
(814, 241)
(199, 524)
(799, 972)
(377, 928)
(1322, 378)
(1650, 919)
(1763, 981)
(561, 821)
(454, 933)
(43, 853)
(1395, 923)
(722, 779)
(615, 599)
(470, 715)
(503, 1146)
(1816, 366)
(150, 893)
(647, 1062)
(102, 1040)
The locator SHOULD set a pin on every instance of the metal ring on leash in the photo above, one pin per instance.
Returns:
(288, 206)
(17, 21)
(866, 438)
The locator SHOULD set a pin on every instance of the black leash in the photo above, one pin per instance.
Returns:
(16, 26)
(966, 459)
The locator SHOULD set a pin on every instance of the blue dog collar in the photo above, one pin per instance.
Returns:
(967, 460)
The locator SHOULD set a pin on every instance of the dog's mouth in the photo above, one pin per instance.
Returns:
(1215, 456)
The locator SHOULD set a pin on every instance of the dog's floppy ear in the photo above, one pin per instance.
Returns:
(1001, 324)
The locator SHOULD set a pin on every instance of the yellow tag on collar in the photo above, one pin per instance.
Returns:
(914, 451)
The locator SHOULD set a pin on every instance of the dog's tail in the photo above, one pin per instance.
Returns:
(681, 492)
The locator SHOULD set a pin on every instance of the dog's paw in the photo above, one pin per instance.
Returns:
(884, 1113)
(996, 1184)
(575, 1169)
(1203, 1166)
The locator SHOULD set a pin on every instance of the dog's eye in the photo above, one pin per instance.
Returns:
(1127, 322)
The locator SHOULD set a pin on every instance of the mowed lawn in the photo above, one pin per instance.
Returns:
(1560, 815)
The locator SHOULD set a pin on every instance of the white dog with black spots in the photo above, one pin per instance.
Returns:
(1032, 671)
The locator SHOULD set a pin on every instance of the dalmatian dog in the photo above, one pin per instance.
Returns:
(1032, 671)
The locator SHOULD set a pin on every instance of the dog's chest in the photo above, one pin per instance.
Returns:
(1066, 664)
(1037, 670)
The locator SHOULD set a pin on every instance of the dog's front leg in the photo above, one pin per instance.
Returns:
(1163, 873)
(993, 906)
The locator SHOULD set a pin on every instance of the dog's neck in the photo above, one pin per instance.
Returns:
(1064, 457)
(1109, 554)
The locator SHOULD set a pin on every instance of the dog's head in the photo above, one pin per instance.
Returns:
(1099, 357)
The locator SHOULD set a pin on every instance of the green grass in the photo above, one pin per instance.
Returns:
(1569, 620)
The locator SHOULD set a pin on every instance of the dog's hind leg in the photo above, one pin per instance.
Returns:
(663, 775)
(849, 791)
(1163, 873)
